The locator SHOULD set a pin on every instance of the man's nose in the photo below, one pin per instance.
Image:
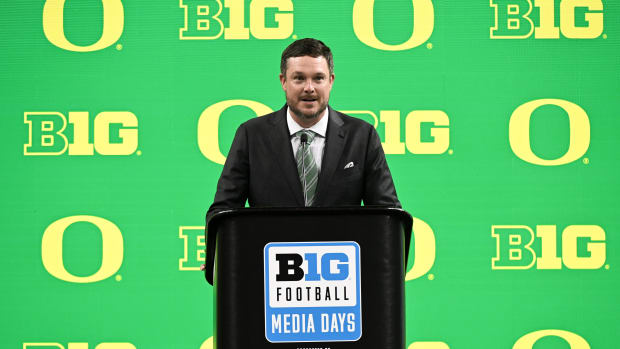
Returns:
(308, 87)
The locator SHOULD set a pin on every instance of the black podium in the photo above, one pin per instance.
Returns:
(308, 277)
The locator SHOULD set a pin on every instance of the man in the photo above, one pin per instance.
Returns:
(305, 154)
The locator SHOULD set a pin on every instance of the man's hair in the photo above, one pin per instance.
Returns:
(307, 47)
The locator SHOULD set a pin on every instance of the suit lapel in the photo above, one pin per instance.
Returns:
(283, 152)
(334, 145)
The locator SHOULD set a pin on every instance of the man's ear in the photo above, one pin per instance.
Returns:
(282, 80)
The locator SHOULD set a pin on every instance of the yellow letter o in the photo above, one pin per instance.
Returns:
(424, 249)
(53, 27)
(528, 341)
(112, 245)
(364, 28)
(519, 132)
(208, 126)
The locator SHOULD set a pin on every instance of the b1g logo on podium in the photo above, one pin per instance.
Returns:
(312, 292)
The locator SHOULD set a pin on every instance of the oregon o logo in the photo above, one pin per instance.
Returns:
(519, 132)
(53, 27)
(364, 28)
(207, 344)
(424, 249)
(575, 341)
(112, 244)
(208, 126)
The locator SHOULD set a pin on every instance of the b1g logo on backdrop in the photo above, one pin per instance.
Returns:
(204, 20)
(583, 247)
(78, 346)
(193, 247)
(114, 133)
(426, 131)
(578, 19)
(312, 292)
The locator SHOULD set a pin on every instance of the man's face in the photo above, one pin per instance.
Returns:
(307, 85)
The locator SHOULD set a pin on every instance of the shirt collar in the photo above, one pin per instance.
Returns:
(319, 128)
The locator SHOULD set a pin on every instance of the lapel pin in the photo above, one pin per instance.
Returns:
(349, 165)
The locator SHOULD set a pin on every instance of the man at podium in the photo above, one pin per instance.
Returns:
(305, 154)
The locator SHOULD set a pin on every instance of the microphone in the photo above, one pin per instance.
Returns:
(304, 141)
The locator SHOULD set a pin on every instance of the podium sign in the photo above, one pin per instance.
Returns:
(312, 292)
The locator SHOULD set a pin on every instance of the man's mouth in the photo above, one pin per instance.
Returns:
(308, 99)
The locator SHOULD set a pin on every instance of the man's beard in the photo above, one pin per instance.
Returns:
(307, 116)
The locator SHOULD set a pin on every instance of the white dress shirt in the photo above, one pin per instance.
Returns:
(318, 143)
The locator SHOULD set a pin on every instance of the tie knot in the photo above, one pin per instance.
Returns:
(309, 135)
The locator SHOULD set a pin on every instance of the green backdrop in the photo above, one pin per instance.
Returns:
(512, 140)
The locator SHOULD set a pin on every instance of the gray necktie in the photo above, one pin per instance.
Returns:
(306, 166)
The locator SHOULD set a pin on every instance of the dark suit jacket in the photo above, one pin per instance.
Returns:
(261, 167)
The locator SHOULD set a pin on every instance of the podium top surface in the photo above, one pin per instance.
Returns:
(292, 211)
(212, 227)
